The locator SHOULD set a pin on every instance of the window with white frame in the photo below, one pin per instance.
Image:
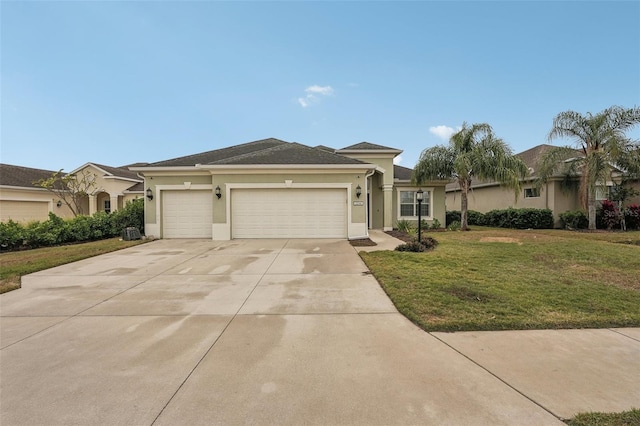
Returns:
(531, 193)
(603, 192)
(107, 206)
(409, 205)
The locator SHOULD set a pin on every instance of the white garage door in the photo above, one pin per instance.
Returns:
(289, 213)
(187, 214)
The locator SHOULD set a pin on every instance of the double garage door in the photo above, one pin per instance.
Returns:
(259, 213)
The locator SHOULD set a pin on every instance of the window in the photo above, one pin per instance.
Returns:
(531, 193)
(409, 204)
(107, 206)
(603, 192)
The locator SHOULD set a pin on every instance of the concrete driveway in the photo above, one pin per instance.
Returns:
(239, 332)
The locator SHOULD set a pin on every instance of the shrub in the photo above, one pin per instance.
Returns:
(520, 218)
(132, 214)
(12, 235)
(475, 218)
(632, 216)
(405, 226)
(608, 214)
(454, 226)
(435, 224)
(427, 243)
(574, 219)
(452, 216)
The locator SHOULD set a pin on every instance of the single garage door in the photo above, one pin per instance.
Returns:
(289, 213)
(24, 211)
(187, 214)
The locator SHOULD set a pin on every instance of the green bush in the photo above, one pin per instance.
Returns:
(632, 216)
(426, 244)
(405, 226)
(520, 218)
(56, 230)
(12, 235)
(131, 215)
(574, 219)
(454, 226)
(476, 218)
(452, 216)
(435, 224)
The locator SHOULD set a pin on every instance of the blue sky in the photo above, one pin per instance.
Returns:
(123, 82)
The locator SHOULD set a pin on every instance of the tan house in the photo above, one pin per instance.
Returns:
(22, 201)
(486, 196)
(276, 189)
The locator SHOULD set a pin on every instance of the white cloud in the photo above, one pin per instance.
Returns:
(311, 92)
(443, 132)
(322, 90)
(397, 160)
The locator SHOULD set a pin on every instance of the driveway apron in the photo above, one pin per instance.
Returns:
(237, 332)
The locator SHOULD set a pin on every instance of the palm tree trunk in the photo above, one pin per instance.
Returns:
(591, 206)
(464, 206)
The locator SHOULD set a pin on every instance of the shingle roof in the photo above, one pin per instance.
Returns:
(287, 153)
(325, 148)
(138, 187)
(402, 173)
(266, 151)
(365, 146)
(219, 154)
(20, 176)
(118, 171)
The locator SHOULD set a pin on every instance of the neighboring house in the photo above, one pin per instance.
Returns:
(553, 195)
(22, 201)
(276, 189)
(114, 187)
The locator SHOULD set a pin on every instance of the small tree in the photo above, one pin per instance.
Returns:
(71, 188)
(474, 152)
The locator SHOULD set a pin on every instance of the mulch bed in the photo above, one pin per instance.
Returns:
(400, 235)
(364, 242)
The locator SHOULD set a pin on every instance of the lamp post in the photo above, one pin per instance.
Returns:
(419, 198)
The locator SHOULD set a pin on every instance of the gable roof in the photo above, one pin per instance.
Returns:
(109, 171)
(20, 176)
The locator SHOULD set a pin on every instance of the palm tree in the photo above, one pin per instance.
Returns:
(603, 149)
(473, 152)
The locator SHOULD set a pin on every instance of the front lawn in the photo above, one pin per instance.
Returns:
(500, 279)
(18, 263)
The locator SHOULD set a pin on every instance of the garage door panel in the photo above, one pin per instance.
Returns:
(187, 214)
(23, 211)
(289, 213)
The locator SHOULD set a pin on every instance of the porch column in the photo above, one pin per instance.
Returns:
(114, 203)
(93, 204)
(387, 199)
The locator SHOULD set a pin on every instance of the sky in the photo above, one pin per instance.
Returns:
(120, 82)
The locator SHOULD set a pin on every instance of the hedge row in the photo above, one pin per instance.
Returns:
(608, 216)
(507, 218)
(56, 230)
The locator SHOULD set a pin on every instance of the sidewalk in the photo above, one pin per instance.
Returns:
(383, 240)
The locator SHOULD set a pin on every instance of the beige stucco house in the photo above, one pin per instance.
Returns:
(486, 196)
(22, 201)
(276, 189)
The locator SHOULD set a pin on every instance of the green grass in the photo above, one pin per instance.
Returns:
(626, 418)
(17, 263)
(541, 280)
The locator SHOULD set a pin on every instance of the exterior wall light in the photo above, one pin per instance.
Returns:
(59, 203)
(218, 192)
(358, 191)
(149, 194)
